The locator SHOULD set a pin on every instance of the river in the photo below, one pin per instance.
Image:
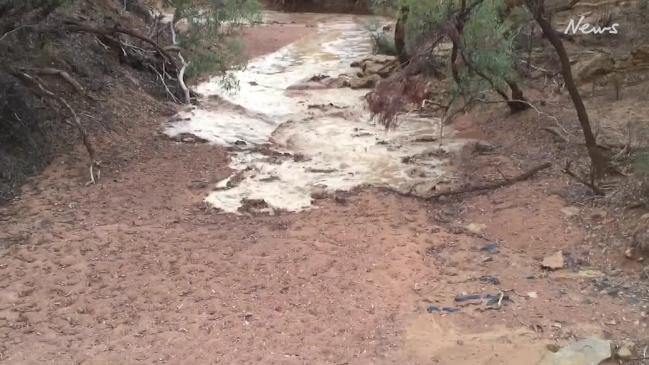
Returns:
(288, 142)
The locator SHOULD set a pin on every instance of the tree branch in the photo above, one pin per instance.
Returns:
(77, 123)
(495, 185)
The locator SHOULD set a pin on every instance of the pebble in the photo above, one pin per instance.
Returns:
(613, 291)
(570, 212)
(476, 228)
(625, 352)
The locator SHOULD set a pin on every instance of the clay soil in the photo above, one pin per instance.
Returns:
(138, 270)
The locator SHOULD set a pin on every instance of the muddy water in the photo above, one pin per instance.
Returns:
(321, 139)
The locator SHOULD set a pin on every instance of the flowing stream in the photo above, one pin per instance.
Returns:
(290, 142)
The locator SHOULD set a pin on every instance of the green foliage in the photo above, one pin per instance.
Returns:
(487, 39)
(488, 43)
(641, 163)
(209, 39)
(382, 41)
(643, 5)
(384, 7)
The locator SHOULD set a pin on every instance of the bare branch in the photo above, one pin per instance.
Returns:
(495, 185)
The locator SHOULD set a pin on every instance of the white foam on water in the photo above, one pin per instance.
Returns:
(338, 148)
(336, 153)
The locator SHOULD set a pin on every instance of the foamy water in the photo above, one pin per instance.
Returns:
(328, 149)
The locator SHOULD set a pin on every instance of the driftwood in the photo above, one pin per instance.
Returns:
(494, 185)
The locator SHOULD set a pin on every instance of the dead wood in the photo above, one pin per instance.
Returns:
(599, 162)
(494, 185)
(181, 72)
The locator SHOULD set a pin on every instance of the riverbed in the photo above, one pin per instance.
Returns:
(290, 142)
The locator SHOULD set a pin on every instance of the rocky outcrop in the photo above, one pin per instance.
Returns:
(599, 64)
(640, 56)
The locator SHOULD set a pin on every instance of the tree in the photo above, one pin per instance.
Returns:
(599, 163)
(481, 55)
(207, 41)
(210, 25)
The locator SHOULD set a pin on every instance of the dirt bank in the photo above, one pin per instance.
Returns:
(267, 38)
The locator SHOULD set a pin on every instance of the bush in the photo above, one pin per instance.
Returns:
(383, 43)
(209, 41)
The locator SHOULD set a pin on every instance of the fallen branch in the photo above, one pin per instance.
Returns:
(495, 185)
(62, 74)
(77, 123)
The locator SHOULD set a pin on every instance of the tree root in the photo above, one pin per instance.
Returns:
(65, 76)
(492, 186)
(94, 163)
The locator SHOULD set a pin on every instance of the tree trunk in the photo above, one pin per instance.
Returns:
(516, 104)
(599, 163)
(400, 36)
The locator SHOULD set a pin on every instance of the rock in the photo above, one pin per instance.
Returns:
(553, 347)
(553, 262)
(491, 248)
(588, 70)
(628, 253)
(366, 82)
(590, 351)
(319, 193)
(570, 212)
(476, 228)
(640, 55)
(532, 295)
(188, 138)
(318, 78)
(489, 279)
(591, 274)
(426, 138)
(383, 66)
(599, 214)
(625, 350)
(482, 147)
